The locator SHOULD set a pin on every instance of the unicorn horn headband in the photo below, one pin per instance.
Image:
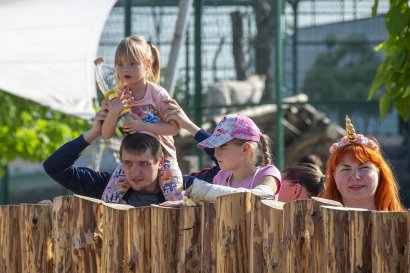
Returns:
(352, 138)
(350, 132)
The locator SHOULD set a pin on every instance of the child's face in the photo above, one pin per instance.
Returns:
(230, 156)
(132, 72)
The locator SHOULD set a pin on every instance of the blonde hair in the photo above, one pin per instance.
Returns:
(138, 49)
(260, 150)
(387, 193)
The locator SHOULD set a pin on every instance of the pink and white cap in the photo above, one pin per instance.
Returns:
(230, 127)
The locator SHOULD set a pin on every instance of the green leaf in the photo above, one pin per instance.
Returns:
(379, 47)
(396, 20)
(402, 106)
(384, 104)
(377, 83)
(406, 92)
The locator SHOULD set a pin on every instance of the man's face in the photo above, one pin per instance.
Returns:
(141, 170)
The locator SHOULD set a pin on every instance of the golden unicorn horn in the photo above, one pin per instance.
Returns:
(350, 132)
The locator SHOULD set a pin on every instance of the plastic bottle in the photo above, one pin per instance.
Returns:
(105, 77)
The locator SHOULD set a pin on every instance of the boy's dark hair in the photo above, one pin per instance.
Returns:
(139, 143)
(306, 174)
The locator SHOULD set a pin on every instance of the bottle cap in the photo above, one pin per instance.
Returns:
(98, 60)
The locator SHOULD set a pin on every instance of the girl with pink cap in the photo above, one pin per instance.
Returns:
(239, 146)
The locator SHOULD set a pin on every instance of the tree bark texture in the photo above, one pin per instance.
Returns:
(298, 235)
(347, 237)
(189, 248)
(390, 238)
(273, 260)
(10, 259)
(208, 238)
(35, 238)
(233, 220)
(164, 239)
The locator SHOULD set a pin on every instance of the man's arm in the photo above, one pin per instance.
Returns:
(80, 180)
(84, 181)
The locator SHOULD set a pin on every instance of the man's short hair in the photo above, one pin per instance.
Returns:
(139, 143)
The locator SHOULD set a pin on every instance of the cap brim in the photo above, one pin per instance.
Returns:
(214, 141)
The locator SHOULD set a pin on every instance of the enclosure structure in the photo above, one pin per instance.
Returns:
(77, 234)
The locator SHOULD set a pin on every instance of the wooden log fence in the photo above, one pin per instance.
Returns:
(240, 233)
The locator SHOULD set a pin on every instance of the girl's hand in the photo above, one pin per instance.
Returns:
(116, 106)
(135, 126)
(104, 105)
(128, 99)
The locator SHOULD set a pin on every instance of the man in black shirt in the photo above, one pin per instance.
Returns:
(140, 155)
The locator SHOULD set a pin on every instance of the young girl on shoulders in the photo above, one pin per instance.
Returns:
(239, 147)
(137, 64)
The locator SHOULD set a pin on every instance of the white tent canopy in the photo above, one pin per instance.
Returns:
(47, 48)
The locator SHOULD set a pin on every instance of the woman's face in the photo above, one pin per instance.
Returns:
(357, 182)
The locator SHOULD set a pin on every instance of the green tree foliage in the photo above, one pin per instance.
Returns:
(393, 73)
(31, 131)
(344, 72)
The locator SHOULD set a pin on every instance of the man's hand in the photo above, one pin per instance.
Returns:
(95, 130)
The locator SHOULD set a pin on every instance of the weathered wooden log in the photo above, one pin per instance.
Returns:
(233, 219)
(138, 240)
(347, 240)
(189, 246)
(256, 234)
(390, 242)
(35, 238)
(208, 238)
(297, 235)
(76, 235)
(164, 239)
(272, 228)
(317, 264)
(10, 258)
(114, 240)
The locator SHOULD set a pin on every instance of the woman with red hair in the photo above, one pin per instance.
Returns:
(358, 176)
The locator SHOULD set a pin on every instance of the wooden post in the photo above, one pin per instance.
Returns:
(347, 240)
(189, 247)
(76, 235)
(272, 228)
(113, 256)
(138, 240)
(297, 235)
(256, 234)
(62, 214)
(10, 259)
(233, 219)
(35, 238)
(317, 264)
(390, 242)
(164, 239)
(208, 238)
